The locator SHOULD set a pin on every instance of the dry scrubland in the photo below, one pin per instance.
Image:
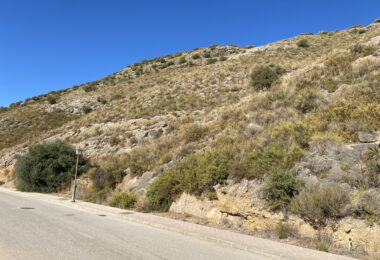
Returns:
(280, 140)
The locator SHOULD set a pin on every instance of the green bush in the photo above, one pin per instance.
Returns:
(276, 155)
(323, 33)
(377, 20)
(194, 132)
(101, 179)
(182, 60)
(115, 140)
(211, 61)
(196, 56)
(319, 245)
(262, 77)
(317, 203)
(305, 100)
(3, 109)
(102, 100)
(293, 132)
(52, 99)
(123, 200)
(196, 174)
(116, 97)
(279, 189)
(86, 109)
(46, 167)
(206, 54)
(282, 231)
(90, 87)
(303, 43)
(368, 206)
(339, 65)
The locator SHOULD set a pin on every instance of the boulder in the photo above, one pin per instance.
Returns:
(365, 137)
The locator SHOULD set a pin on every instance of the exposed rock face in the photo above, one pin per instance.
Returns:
(239, 206)
(364, 237)
(201, 208)
(367, 137)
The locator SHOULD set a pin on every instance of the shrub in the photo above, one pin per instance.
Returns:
(3, 109)
(276, 155)
(319, 202)
(115, 140)
(89, 88)
(319, 245)
(279, 189)
(377, 20)
(304, 100)
(52, 99)
(262, 77)
(123, 200)
(303, 43)
(102, 178)
(86, 109)
(194, 132)
(323, 33)
(298, 132)
(363, 113)
(368, 207)
(282, 231)
(211, 61)
(213, 46)
(46, 167)
(196, 174)
(196, 56)
(182, 60)
(339, 65)
(102, 100)
(116, 97)
(222, 58)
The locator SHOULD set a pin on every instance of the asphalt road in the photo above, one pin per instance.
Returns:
(33, 229)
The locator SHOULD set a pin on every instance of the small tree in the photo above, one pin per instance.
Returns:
(52, 99)
(262, 77)
(46, 167)
(279, 189)
(303, 43)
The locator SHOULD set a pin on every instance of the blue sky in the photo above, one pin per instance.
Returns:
(48, 45)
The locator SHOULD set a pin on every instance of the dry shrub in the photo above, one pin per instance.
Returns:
(319, 202)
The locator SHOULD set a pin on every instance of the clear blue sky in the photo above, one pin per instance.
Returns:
(48, 45)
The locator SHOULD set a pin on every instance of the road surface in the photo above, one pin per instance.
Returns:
(33, 229)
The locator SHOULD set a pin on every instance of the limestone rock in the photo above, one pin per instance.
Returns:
(200, 208)
(364, 237)
(365, 137)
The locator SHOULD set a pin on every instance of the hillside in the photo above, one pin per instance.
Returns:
(280, 140)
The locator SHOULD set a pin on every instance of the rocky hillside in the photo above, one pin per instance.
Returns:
(279, 139)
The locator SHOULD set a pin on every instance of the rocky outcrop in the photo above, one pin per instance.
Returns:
(367, 137)
(364, 237)
(239, 207)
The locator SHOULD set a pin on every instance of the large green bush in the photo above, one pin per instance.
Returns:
(123, 200)
(46, 167)
(262, 77)
(279, 189)
(276, 155)
(197, 174)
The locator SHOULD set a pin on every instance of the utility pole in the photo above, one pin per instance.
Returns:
(78, 153)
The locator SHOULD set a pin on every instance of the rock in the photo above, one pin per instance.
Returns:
(200, 208)
(364, 237)
(365, 137)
